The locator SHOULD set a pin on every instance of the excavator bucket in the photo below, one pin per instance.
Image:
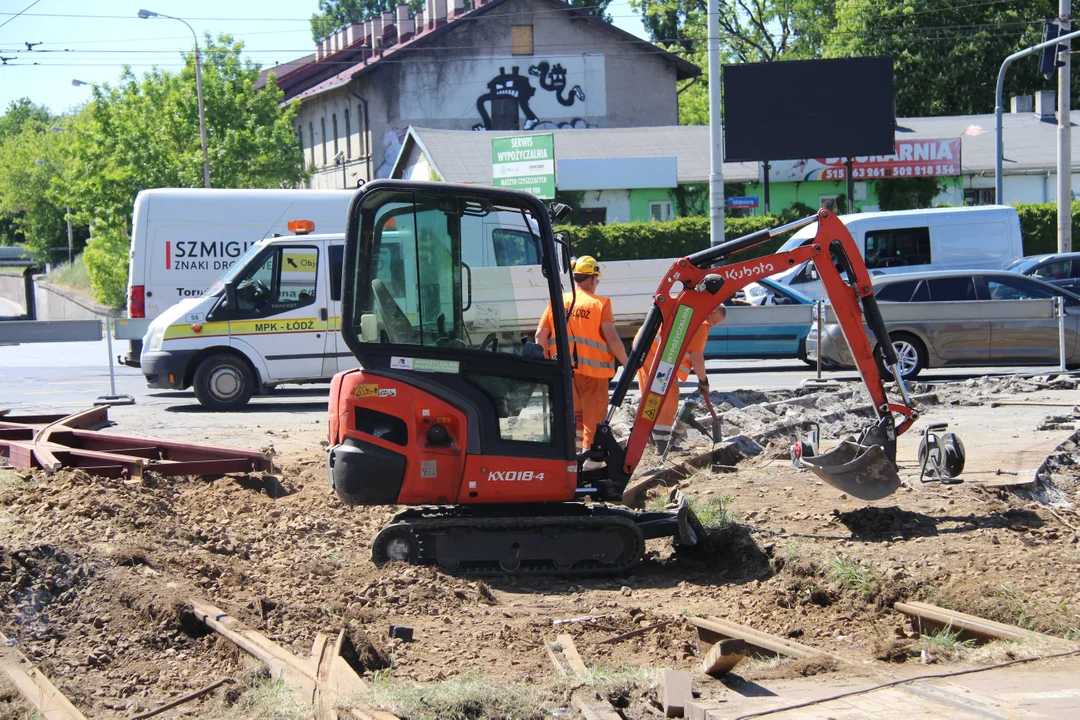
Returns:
(862, 471)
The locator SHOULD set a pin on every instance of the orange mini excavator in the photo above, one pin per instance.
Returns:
(456, 414)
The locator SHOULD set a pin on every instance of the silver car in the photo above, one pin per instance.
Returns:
(959, 324)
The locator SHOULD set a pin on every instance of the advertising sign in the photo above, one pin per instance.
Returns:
(913, 158)
(525, 162)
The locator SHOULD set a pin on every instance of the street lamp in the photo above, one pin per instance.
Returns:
(67, 216)
(144, 14)
(77, 83)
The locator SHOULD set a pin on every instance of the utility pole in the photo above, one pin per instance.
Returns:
(1064, 136)
(716, 148)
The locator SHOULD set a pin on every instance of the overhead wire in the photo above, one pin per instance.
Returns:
(13, 16)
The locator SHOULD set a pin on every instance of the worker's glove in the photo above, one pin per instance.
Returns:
(703, 387)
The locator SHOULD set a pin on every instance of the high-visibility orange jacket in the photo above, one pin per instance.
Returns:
(590, 352)
(697, 344)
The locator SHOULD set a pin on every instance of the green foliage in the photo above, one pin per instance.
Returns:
(945, 55)
(676, 238)
(336, 14)
(946, 638)
(906, 193)
(854, 575)
(1038, 226)
(761, 31)
(32, 195)
(144, 133)
(713, 512)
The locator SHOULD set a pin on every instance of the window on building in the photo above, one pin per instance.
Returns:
(311, 140)
(504, 114)
(348, 135)
(897, 248)
(592, 216)
(660, 211)
(361, 131)
(322, 138)
(828, 202)
(333, 124)
(979, 196)
(521, 39)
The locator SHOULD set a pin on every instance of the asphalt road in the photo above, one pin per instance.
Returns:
(57, 377)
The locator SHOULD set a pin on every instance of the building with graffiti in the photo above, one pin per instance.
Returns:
(503, 65)
(659, 173)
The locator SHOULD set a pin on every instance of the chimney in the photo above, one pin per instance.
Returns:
(429, 14)
(320, 50)
(354, 34)
(1022, 104)
(389, 29)
(377, 43)
(405, 25)
(343, 38)
(1045, 105)
(440, 12)
(335, 42)
(459, 9)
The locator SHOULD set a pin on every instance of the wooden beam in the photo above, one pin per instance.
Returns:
(35, 687)
(924, 615)
(763, 643)
(573, 659)
(723, 656)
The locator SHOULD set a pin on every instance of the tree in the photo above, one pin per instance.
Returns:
(30, 212)
(906, 193)
(750, 31)
(144, 133)
(945, 55)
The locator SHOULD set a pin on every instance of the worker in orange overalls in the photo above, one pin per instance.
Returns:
(594, 346)
(692, 359)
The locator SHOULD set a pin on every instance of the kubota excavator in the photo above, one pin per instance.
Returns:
(474, 428)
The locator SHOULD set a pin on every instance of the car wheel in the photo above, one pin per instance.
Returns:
(910, 354)
(223, 382)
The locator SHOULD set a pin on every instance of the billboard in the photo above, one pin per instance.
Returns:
(808, 108)
(525, 162)
(912, 158)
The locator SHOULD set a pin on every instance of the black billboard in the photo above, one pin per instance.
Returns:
(808, 108)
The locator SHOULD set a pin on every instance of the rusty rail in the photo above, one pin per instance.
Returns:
(55, 442)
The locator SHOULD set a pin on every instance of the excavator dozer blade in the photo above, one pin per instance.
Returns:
(862, 471)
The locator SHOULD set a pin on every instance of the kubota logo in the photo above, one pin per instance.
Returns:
(762, 268)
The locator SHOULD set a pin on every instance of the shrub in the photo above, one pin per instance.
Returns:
(1038, 226)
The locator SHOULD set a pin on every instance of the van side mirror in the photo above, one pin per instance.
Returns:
(230, 295)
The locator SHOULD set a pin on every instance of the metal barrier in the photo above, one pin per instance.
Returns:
(47, 331)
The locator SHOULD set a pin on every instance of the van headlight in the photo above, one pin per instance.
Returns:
(154, 337)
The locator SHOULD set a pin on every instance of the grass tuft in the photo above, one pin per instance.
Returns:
(468, 697)
(945, 638)
(854, 575)
(73, 276)
(713, 512)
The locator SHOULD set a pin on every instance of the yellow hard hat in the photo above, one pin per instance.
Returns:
(587, 265)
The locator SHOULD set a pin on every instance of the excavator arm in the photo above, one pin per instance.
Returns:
(695, 285)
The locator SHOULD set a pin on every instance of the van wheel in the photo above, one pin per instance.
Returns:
(223, 383)
(910, 353)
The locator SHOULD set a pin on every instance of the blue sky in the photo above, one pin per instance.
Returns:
(92, 41)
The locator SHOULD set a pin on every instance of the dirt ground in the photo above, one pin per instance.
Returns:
(95, 573)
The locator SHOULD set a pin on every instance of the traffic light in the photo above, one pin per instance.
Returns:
(1050, 62)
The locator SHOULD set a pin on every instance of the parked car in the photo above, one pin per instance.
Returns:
(907, 241)
(737, 339)
(1061, 269)
(955, 330)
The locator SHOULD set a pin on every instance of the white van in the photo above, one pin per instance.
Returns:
(273, 317)
(914, 240)
(183, 239)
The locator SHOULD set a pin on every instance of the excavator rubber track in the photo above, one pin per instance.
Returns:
(560, 539)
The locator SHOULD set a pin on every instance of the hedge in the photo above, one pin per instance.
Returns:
(682, 236)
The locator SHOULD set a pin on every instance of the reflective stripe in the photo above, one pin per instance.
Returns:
(583, 341)
(596, 363)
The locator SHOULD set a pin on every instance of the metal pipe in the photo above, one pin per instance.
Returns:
(998, 110)
(1064, 140)
(716, 151)
(1060, 303)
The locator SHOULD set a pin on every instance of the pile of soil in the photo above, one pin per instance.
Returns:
(96, 574)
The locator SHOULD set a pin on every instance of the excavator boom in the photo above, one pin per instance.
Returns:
(695, 285)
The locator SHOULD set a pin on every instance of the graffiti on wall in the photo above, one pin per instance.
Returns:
(514, 93)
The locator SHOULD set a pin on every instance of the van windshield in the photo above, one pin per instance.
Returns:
(235, 270)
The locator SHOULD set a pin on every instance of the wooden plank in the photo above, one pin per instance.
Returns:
(970, 626)
(764, 643)
(592, 706)
(724, 656)
(677, 692)
(573, 659)
(35, 687)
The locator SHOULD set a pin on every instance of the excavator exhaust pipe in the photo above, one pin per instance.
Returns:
(862, 471)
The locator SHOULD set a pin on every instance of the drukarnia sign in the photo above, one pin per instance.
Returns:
(913, 158)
